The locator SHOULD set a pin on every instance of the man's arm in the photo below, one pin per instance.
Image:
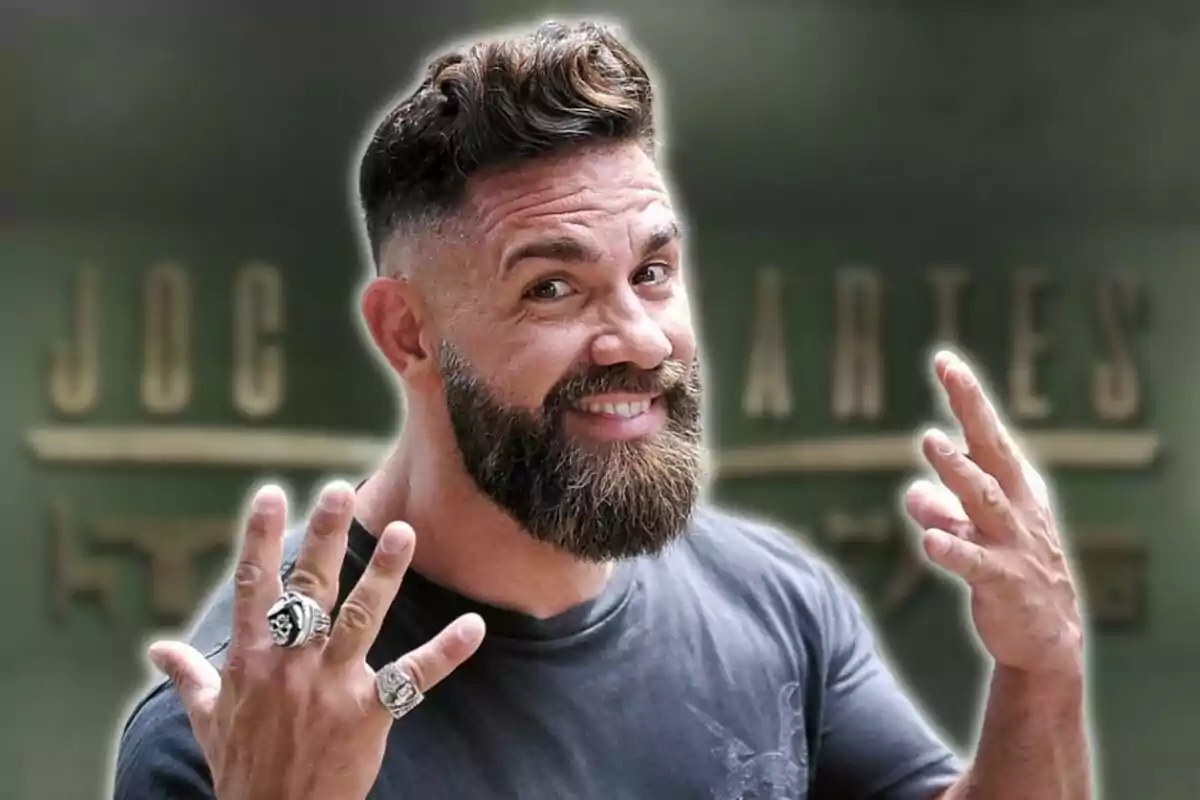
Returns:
(1034, 741)
(874, 741)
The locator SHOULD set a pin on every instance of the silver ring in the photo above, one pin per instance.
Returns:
(296, 619)
(396, 690)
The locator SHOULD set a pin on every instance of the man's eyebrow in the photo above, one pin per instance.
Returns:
(573, 251)
(556, 248)
(661, 236)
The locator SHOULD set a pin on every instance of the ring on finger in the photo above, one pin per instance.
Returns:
(296, 619)
(396, 690)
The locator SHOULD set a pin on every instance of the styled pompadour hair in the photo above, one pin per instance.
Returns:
(498, 103)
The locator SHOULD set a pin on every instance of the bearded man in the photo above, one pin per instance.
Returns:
(531, 296)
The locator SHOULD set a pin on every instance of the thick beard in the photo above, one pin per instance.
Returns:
(599, 501)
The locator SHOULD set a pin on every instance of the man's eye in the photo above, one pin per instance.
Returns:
(652, 273)
(555, 289)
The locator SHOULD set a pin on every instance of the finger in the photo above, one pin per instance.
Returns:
(934, 506)
(197, 681)
(968, 561)
(319, 562)
(980, 493)
(361, 615)
(430, 663)
(256, 577)
(988, 440)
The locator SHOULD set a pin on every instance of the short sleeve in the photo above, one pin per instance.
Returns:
(874, 743)
(158, 757)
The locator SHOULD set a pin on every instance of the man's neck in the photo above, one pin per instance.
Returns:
(466, 543)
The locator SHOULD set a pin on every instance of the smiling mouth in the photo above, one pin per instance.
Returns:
(623, 410)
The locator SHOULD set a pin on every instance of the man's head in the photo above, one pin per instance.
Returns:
(531, 290)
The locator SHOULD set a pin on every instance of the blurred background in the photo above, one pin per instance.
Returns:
(179, 273)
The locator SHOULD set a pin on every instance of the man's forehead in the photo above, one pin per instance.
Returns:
(636, 221)
(616, 180)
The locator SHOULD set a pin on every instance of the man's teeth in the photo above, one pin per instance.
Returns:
(624, 410)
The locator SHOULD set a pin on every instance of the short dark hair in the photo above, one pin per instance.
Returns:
(498, 103)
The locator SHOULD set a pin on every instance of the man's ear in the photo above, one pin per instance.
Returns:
(395, 315)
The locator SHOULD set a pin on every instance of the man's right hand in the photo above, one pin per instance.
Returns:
(305, 722)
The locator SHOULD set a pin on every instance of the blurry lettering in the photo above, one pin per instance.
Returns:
(258, 363)
(173, 547)
(1114, 570)
(1116, 385)
(166, 377)
(73, 575)
(948, 283)
(768, 391)
(167, 359)
(1027, 344)
(75, 363)
(857, 355)
(843, 528)
(1110, 376)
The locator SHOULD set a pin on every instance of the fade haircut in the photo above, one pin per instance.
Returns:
(496, 104)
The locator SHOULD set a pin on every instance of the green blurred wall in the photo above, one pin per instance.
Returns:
(808, 140)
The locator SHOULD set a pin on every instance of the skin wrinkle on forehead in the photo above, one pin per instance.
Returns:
(531, 208)
(573, 182)
(568, 185)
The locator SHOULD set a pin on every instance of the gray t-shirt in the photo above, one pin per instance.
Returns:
(733, 666)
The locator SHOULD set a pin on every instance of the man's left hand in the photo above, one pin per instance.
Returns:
(991, 523)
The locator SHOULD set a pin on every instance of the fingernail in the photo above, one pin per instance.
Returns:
(470, 629)
(942, 443)
(938, 543)
(940, 363)
(268, 497)
(393, 541)
(156, 657)
(336, 497)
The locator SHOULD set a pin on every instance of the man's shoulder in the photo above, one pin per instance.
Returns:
(752, 546)
(752, 560)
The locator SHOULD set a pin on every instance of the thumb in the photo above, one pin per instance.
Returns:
(196, 680)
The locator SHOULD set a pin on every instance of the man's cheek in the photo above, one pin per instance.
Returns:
(524, 385)
(675, 321)
(683, 344)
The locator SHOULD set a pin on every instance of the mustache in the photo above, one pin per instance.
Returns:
(628, 378)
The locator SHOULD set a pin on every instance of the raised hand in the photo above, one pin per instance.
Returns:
(295, 711)
(991, 523)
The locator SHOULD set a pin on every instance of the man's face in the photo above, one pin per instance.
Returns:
(568, 356)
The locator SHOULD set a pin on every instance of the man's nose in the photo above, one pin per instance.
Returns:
(632, 336)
